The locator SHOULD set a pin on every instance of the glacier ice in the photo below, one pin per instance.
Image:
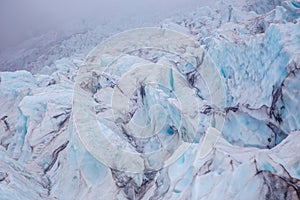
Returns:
(255, 48)
(163, 95)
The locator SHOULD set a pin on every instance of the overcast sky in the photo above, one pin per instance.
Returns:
(21, 18)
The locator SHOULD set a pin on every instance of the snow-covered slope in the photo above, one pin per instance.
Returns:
(254, 46)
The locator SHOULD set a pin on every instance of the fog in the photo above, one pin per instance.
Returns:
(22, 19)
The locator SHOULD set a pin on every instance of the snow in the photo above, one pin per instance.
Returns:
(154, 126)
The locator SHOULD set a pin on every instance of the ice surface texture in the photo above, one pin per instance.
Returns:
(254, 47)
(153, 104)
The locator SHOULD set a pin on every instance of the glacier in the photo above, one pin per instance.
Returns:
(247, 141)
